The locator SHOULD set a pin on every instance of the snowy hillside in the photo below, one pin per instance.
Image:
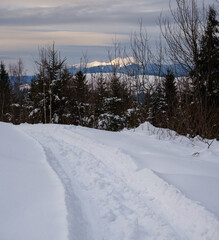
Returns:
(65, 182)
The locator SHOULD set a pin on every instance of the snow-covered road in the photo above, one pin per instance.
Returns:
(115, 189)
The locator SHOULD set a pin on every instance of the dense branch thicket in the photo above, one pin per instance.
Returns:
(188, 104)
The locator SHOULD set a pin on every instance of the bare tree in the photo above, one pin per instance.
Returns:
(182, 33)
(17, 72)
(142, 55)
(114, 56)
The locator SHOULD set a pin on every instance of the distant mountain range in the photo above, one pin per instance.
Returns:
(126, 66)
(121, 65)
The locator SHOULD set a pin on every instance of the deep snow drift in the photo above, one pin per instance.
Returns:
(66, 182)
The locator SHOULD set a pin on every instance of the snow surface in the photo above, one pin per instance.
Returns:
(32, 201)
(135, 184)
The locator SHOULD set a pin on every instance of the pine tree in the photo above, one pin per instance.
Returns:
(81, 95)
(207, 109)
(170, 97)
(157, 113)
(5, 95)
(209, 58)
(70, 109)
(54, 68)
(116, 96)
(117, 104)
(100, 95)
(39, 100)
(60, 96)
(81, 88)
(44, 86)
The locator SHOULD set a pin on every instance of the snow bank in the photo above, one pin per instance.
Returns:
(32, 204)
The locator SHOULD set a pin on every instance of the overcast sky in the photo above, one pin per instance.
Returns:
(76, 26)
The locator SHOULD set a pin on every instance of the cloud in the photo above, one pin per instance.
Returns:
(97, 13)
(94, 3)
(25, 39)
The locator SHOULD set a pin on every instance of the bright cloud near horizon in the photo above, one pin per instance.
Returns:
(76, 26)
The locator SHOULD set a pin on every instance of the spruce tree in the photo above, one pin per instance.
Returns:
(116, 96)
(157, 112)
(209, 77)
(209, 58)
(81, 95)
(60, 98)
(39, 100)
(101, 95)
(43, 90)
(5, 95)
(66, 107)
(118, 102)
(170, 98)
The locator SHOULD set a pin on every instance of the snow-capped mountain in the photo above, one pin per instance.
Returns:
(120, 62)
(126, 65)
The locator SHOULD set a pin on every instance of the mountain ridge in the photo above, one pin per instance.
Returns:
(127, 66)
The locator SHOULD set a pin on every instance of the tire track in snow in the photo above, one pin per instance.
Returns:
(105, 179)
(77, 224)
(78, 228)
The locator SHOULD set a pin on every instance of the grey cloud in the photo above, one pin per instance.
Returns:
(95, 14)
(85, 13)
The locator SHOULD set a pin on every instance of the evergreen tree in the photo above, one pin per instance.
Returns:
(5, 95)
(81, 95)
(81, 87)
(44, 86)
(117, 104)
(170, 97)
(20, 107)
(116, 96)
(61, 97)
(66, 107)
(54, 68)
(157, 112)
(100, 95)
(206, 85)
(39, 100)
(209, 59)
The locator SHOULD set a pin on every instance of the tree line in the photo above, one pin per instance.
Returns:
(188, 104)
